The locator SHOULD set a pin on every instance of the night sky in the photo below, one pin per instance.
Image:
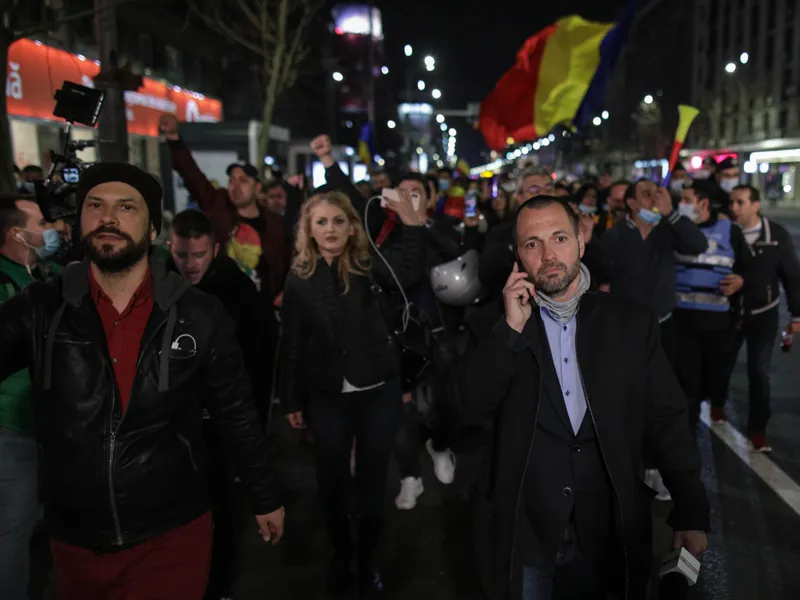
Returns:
(472, 48)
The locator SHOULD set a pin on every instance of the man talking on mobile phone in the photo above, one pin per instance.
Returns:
(575, 381)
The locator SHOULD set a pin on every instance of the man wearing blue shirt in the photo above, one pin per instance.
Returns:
(575, 381)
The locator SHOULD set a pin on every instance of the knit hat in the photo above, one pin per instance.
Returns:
(144, 183)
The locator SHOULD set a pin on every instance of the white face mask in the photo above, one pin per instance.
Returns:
(729, 184)
(688, 210)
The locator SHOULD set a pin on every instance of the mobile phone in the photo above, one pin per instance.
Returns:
(471, 205)
(392, 195)
(389, 195)
(70, 175)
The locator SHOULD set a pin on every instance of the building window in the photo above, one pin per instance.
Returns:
(174, 64)
(146, 49)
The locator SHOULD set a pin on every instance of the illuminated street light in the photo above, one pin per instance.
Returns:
(452, 132)
(385, 70)
(730, 67)
(436, 94)
(744, 57)
(551, 137)
(604, 114)
(429, 60)
(597, 120)
(430, 67)
(545, 142)
(536, 145)
(648, 99)
(440, 118)
(391, 124)
(408, 50)
(338, 76)
(443, 126)
(420, 85)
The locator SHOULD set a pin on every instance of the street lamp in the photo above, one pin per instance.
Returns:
(420, 85)
(337, 76)
(436, 94)
(604, 115)
(440, 118)
(429, 60)
(452, 132)
(648, 99)
(730, 67)
(391, 124)
(385, 70)
(596, 121)
(744, 57)
(408, 50)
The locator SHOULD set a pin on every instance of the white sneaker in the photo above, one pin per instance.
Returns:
(652, 478)
(444, 463)
(410, 489)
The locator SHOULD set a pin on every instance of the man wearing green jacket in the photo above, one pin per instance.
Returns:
(26, 241)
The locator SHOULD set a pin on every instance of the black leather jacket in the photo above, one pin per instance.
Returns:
(112, 480)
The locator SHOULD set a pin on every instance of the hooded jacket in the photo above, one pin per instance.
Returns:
(111, 480)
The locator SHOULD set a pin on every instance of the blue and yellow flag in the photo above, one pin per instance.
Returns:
(366, 145)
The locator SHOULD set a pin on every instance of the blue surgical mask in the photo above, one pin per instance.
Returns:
(444, 184)
(52, 242)
(587, 210)
(649, 216)
(729, 184)
(676, 185)
(688, 210)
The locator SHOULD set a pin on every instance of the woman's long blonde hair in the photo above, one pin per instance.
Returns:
(355, 259)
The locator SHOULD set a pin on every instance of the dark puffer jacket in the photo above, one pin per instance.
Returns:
(112, 480)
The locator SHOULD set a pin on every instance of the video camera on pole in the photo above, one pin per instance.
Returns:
(75, 104)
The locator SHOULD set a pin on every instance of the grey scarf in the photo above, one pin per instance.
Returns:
(564, 311)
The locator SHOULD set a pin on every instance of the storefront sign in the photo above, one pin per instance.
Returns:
(36, 71)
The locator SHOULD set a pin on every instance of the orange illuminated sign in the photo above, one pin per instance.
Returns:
(35, 71)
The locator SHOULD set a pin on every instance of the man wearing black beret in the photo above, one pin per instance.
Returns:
(123, 358)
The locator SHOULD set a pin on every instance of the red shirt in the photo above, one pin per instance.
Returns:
(124, 330)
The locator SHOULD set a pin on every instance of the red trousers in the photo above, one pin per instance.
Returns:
(173, 566)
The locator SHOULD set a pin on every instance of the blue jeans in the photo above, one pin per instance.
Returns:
(19, 511)
(573, 577)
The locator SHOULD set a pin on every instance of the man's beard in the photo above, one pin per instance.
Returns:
(556, 286)
(114, 260)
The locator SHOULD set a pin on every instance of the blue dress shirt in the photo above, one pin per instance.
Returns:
(561, 338)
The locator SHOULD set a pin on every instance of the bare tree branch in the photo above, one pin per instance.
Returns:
(215, 21)
(248, 12)
(42, 27)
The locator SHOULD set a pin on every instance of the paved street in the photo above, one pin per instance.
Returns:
(754, 547)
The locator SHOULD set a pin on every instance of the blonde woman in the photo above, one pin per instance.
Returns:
(341, 366)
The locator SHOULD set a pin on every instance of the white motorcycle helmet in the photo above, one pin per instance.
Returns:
(456, 283)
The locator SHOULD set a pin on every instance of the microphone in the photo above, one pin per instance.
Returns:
(679, 571)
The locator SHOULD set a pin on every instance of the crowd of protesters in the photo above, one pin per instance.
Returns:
(579, 323)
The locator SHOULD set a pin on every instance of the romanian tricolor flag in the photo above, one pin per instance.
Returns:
(559, 79)
(366, 145)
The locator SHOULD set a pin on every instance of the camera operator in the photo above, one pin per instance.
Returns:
(26, 241)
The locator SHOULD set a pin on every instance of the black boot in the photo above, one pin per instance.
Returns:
(369, 534)
(339, 574)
